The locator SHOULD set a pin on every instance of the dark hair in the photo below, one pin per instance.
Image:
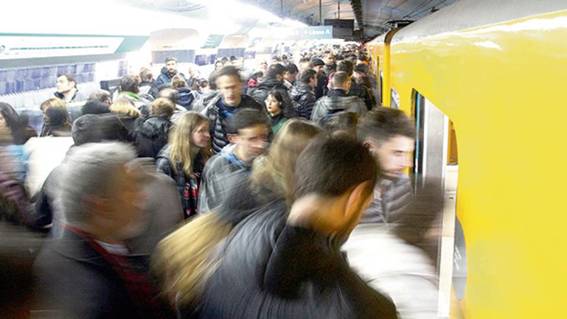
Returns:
(129, 83)
(307, 75)
(228, 70)
(94, 107)
(170, 58)
(91, 128)
(246, 118)
(345, 66)
(361, 68)
(13, 122)
(146, 75)
(69, 78)
(291, 68)
(275, 70)
(331, 165)
(339, 78)
(101, 96)
(303, 60)
(277, 95)
(384, 123)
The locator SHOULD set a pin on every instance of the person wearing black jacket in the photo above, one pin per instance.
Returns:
(274, 80)
(152, 133)
(303, 93)
(277, 264)
(322, 80)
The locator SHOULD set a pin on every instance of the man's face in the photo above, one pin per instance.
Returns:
(329, 59)
(230, 89)
(393, 155)
(252, 141)
(318, 69)
(290, 77)
(171, 67)
(63, 85)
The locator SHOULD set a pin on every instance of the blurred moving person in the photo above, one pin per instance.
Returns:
(296, 269)
(221, 108)
(249, 132)
(88, 273)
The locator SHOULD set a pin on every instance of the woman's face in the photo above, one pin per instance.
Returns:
(200, 136)
(273, 106)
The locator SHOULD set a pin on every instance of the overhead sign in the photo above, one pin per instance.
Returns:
(311, 33)
(14, 47)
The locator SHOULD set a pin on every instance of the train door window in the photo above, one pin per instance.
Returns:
(395, 97)
(434, 136)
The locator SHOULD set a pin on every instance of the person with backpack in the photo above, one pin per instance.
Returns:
(151, 133)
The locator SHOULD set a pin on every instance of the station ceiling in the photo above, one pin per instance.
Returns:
(371, 14)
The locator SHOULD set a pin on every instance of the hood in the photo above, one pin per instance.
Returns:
(154, 126)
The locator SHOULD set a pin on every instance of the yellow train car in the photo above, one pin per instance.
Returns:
(497, 71)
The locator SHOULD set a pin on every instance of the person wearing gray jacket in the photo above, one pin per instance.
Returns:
(337, 100)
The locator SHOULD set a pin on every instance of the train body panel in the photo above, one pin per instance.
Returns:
(501, 85)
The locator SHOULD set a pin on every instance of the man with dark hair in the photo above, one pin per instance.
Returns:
(303, 93)
(330, 62)
(167, 73)
(357, 89)
(390, 135)
(223, 106)
(322, 81)
(397, 224)
(67, 89)
(290, 75)
(295, 268)
(274, 80)
(248, 130)
(338, 100)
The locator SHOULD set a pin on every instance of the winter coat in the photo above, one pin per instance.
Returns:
(187, 186)
(162, 80)
(151, 135)
(390, 198)
(261, 92)
(321, 89)
(218, 122)
(363, 93)
(277, 122)
(337, 102)
(304, 96)
(273, 270)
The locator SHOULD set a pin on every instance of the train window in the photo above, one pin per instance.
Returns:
(432, 164)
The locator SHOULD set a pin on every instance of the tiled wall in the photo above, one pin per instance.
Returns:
(37, 78)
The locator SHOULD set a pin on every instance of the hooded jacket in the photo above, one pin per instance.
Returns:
(336, 102)
(273, 270)
(151, 135)
(185, 98)
(304, 96)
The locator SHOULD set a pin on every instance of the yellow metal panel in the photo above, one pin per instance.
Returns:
(503, 87)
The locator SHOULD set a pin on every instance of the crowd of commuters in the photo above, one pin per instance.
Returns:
(230, 197)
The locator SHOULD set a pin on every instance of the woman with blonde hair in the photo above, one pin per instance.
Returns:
(184, 157)
(185, 259)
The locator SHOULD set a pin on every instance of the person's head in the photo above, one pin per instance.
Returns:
(229, 84)
(361, 68)
(167, 92)
(129, 83)
(94, 107)
(218, 65)
(290, 73)
(65, 83)
(303, 64)
(249, 131)
(274, 102)
(124, 106)
(317, 65)
(276, 71)
(389, 135)
(102, 96)
(96, 128)
(309, 77)
(171, 65)
(52, 102)
(8, 116)
(56, 117)
(178, 82)
(341, 80)
(146, 75)
(330, 198)
(162, 107)
(100, 193)
(277, 171)
(329, 58)
(345, 66)
(188, 137)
